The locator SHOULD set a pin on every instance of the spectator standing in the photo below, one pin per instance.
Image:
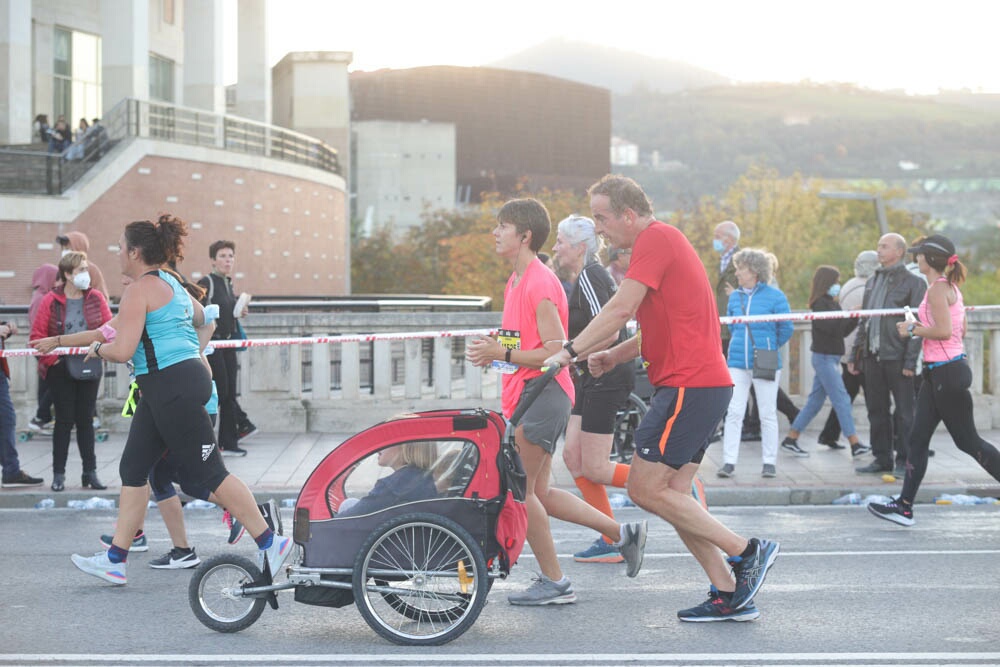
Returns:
(851, 297)
(72, 307)
(43, 279)
(218, 286)
(944, 394)
(725, 241)
(591, 425)
(668, 291)
(887, 360)
(827, 349)
(12, 476)
(754, 297)
(78, 241)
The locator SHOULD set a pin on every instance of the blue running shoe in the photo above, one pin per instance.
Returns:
(750, 571)
(718, 607)
(599, 552)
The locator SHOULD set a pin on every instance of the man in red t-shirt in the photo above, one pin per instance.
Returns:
(667, 290)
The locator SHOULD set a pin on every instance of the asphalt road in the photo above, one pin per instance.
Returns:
(848, 589)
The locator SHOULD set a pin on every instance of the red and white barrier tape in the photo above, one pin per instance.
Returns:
(462, 333)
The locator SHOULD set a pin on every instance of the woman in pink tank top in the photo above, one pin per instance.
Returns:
(944, 393)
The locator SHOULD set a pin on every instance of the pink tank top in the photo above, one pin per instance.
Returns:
(944, 350)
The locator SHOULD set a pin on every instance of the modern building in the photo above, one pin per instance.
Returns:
(400, 170)
(152, 70)
(510, 126)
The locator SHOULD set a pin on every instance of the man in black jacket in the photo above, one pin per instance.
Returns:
(888, 361)
(219, 290)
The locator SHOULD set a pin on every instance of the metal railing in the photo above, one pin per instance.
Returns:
(35, 172)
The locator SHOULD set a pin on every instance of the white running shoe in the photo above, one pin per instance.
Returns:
(100, 566)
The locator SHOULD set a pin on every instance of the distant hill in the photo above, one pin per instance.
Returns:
(620, 71)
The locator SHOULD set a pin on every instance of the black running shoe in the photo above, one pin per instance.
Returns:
(718, 607)
(894, 511)
(750, 571)
(176, 559)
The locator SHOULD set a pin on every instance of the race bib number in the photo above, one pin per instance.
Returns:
(511, 340)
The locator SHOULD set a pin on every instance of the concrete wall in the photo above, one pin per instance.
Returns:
(401, 167)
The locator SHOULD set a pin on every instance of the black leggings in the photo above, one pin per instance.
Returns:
(944, 396)
(74, 402)
(171, 417)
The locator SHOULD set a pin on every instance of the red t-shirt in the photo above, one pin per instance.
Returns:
(520, 306)
(678, 321)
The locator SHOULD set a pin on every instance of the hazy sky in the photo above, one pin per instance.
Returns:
(917, 45)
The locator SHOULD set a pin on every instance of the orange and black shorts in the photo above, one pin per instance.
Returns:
(679, 423)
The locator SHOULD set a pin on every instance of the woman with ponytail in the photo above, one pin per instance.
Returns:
(156, 330)
(944, 393)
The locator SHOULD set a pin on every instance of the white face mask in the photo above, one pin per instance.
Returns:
(82, 280)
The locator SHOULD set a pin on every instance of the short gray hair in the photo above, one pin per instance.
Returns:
(730, 229)
(865, 264)
(579, 229)
(757, 261)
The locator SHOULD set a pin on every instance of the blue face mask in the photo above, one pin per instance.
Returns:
(717, 245)
(834, 290)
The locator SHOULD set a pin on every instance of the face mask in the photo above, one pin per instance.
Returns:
(82, 280)
(717, 245)
(65, 252)
(834, 290)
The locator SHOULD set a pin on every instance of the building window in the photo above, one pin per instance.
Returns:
(77, 69)
(161, 79)
(168, 11)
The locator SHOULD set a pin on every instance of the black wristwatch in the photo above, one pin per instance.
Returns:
(569, 348)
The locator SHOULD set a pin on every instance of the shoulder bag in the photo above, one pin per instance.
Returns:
(765, 362)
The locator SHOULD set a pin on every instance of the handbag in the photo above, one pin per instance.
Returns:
(78, 369)
(765, 362)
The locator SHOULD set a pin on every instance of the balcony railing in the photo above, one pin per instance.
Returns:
(37, 172)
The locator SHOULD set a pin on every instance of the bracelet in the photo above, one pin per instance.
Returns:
(569, 348)
(97, 350)
(507, 355)
(910, 329)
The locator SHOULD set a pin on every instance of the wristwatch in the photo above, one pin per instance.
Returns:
(910, 328)
(569, 348)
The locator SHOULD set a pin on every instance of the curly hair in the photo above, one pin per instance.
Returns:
(158, 242)
(757, 261)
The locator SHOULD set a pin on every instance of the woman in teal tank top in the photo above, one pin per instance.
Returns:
(156, 330)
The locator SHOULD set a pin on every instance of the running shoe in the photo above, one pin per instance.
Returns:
(718, 607)
(176, 559)
(791, 445)
(139, 542)
(275, 554)
(245, 430)
(100, 566)
(236, 529)
(726, 471)
(633, 545)
(750, 571)
(769, 470)
(37, 424)
(894, 511)
(599, 552)
(272, 515)
(233, 451)
(860, 449)
(543, 591)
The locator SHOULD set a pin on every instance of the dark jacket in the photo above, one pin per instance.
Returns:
(219, 290)
(721, 298)
(828, 335)
(903, 289)
(405, 485)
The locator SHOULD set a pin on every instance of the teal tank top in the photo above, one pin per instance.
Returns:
(169, 336)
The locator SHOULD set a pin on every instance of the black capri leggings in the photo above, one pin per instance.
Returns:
(944, 396)
(171, 418)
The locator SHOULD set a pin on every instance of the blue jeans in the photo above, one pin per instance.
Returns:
(8, 424)
(827, 383)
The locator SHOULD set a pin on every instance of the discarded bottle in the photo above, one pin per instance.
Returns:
(288, 502)
(963, 499)
(620, 500)
(45, 504)
(77, 504)
(199, 504)
(849, 499)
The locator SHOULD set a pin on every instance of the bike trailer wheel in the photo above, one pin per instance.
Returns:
(216, 593)
(420, 580)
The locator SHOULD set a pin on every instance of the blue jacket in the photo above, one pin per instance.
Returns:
(763, 300)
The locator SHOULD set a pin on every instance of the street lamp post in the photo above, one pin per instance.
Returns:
(883, 223)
